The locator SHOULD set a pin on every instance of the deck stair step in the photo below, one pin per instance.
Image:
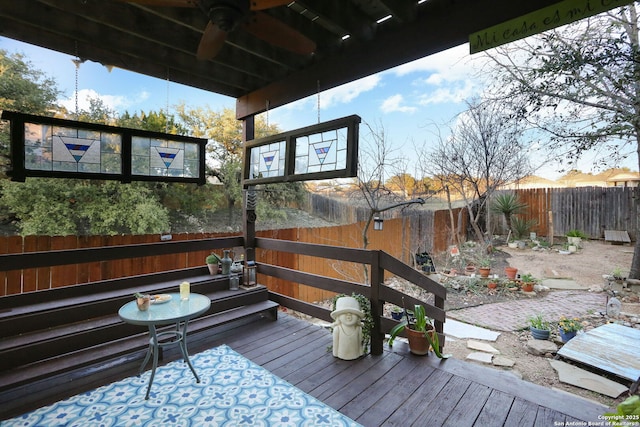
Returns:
(63, 334)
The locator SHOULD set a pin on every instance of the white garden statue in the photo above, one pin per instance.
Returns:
(347, 329)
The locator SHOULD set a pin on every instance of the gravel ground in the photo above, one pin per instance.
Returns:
(586, 267)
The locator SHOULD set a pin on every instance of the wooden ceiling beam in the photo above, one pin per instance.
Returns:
(438, 27)
(123, 48)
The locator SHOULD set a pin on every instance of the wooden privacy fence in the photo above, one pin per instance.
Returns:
(591, 210)
(400, 238)
(15, 279)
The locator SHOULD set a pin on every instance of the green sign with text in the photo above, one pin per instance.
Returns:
(541, 20)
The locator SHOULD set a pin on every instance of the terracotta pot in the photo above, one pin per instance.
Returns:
(492, 285)
(484, 271)
(213, 269)
(418, 343)
(527, 287)
(510, 272)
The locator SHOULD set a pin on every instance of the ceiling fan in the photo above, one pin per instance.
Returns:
(228, 15)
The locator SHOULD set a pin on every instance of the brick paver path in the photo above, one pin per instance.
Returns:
(513, 315)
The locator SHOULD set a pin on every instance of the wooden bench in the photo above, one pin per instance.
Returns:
(50, 337)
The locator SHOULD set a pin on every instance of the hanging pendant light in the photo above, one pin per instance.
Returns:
(378, 223)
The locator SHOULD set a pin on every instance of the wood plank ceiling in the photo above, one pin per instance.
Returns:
(162, 41)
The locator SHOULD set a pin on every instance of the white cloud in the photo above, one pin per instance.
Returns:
(450, 63)
(338, 95)
(445, 77)
(114, 102)
(394, 103)
(348, 92)
(456, 92)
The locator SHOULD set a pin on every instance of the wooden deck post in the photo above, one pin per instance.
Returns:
(377, 276)
(249, 197)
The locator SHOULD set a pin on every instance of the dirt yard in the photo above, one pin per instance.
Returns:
(586, 267)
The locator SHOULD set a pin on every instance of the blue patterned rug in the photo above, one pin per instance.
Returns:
(233, 392)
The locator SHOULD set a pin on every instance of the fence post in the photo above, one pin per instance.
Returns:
(377, 276)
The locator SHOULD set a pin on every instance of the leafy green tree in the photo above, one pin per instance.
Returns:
(189, 207)
(580, 85)
(65, 206)
(402, 183)
(24, 89)
(152, 121)
(48, 206)
(226, 151)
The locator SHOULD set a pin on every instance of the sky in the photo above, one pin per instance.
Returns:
(406, 101)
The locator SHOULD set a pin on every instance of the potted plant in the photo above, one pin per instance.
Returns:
(574, 237)
(510, 272)
(396, 313)
(484, 264)
(425, 263)
(528, 282)
(212, 261)
(568, 328)
(617, 274)
(539, 327)
(142, 301)
(420, 333)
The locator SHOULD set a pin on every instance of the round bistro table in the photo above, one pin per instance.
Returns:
(174, 311)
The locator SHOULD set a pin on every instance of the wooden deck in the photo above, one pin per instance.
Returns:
(398, 388)
(395, 388)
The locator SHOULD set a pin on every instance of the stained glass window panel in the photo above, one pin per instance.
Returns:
(162, 157)
(64, 149)
(60, 148)
(320, 152)
(268, 160)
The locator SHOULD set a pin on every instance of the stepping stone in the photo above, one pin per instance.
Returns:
(503, 361)
(479, 356)
(463, 330)
(575, 376)
(540, 347)
(605, 408)
(482, 346)
(563, 284)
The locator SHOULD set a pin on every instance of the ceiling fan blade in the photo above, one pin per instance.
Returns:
(267, 4)
(211, 42)
(165, 3)
(277, 33)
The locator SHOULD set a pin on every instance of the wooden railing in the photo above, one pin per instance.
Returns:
(377, 292)
(378, 262)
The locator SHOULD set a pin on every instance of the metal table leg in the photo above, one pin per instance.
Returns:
(183, 349)
(180, 338)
